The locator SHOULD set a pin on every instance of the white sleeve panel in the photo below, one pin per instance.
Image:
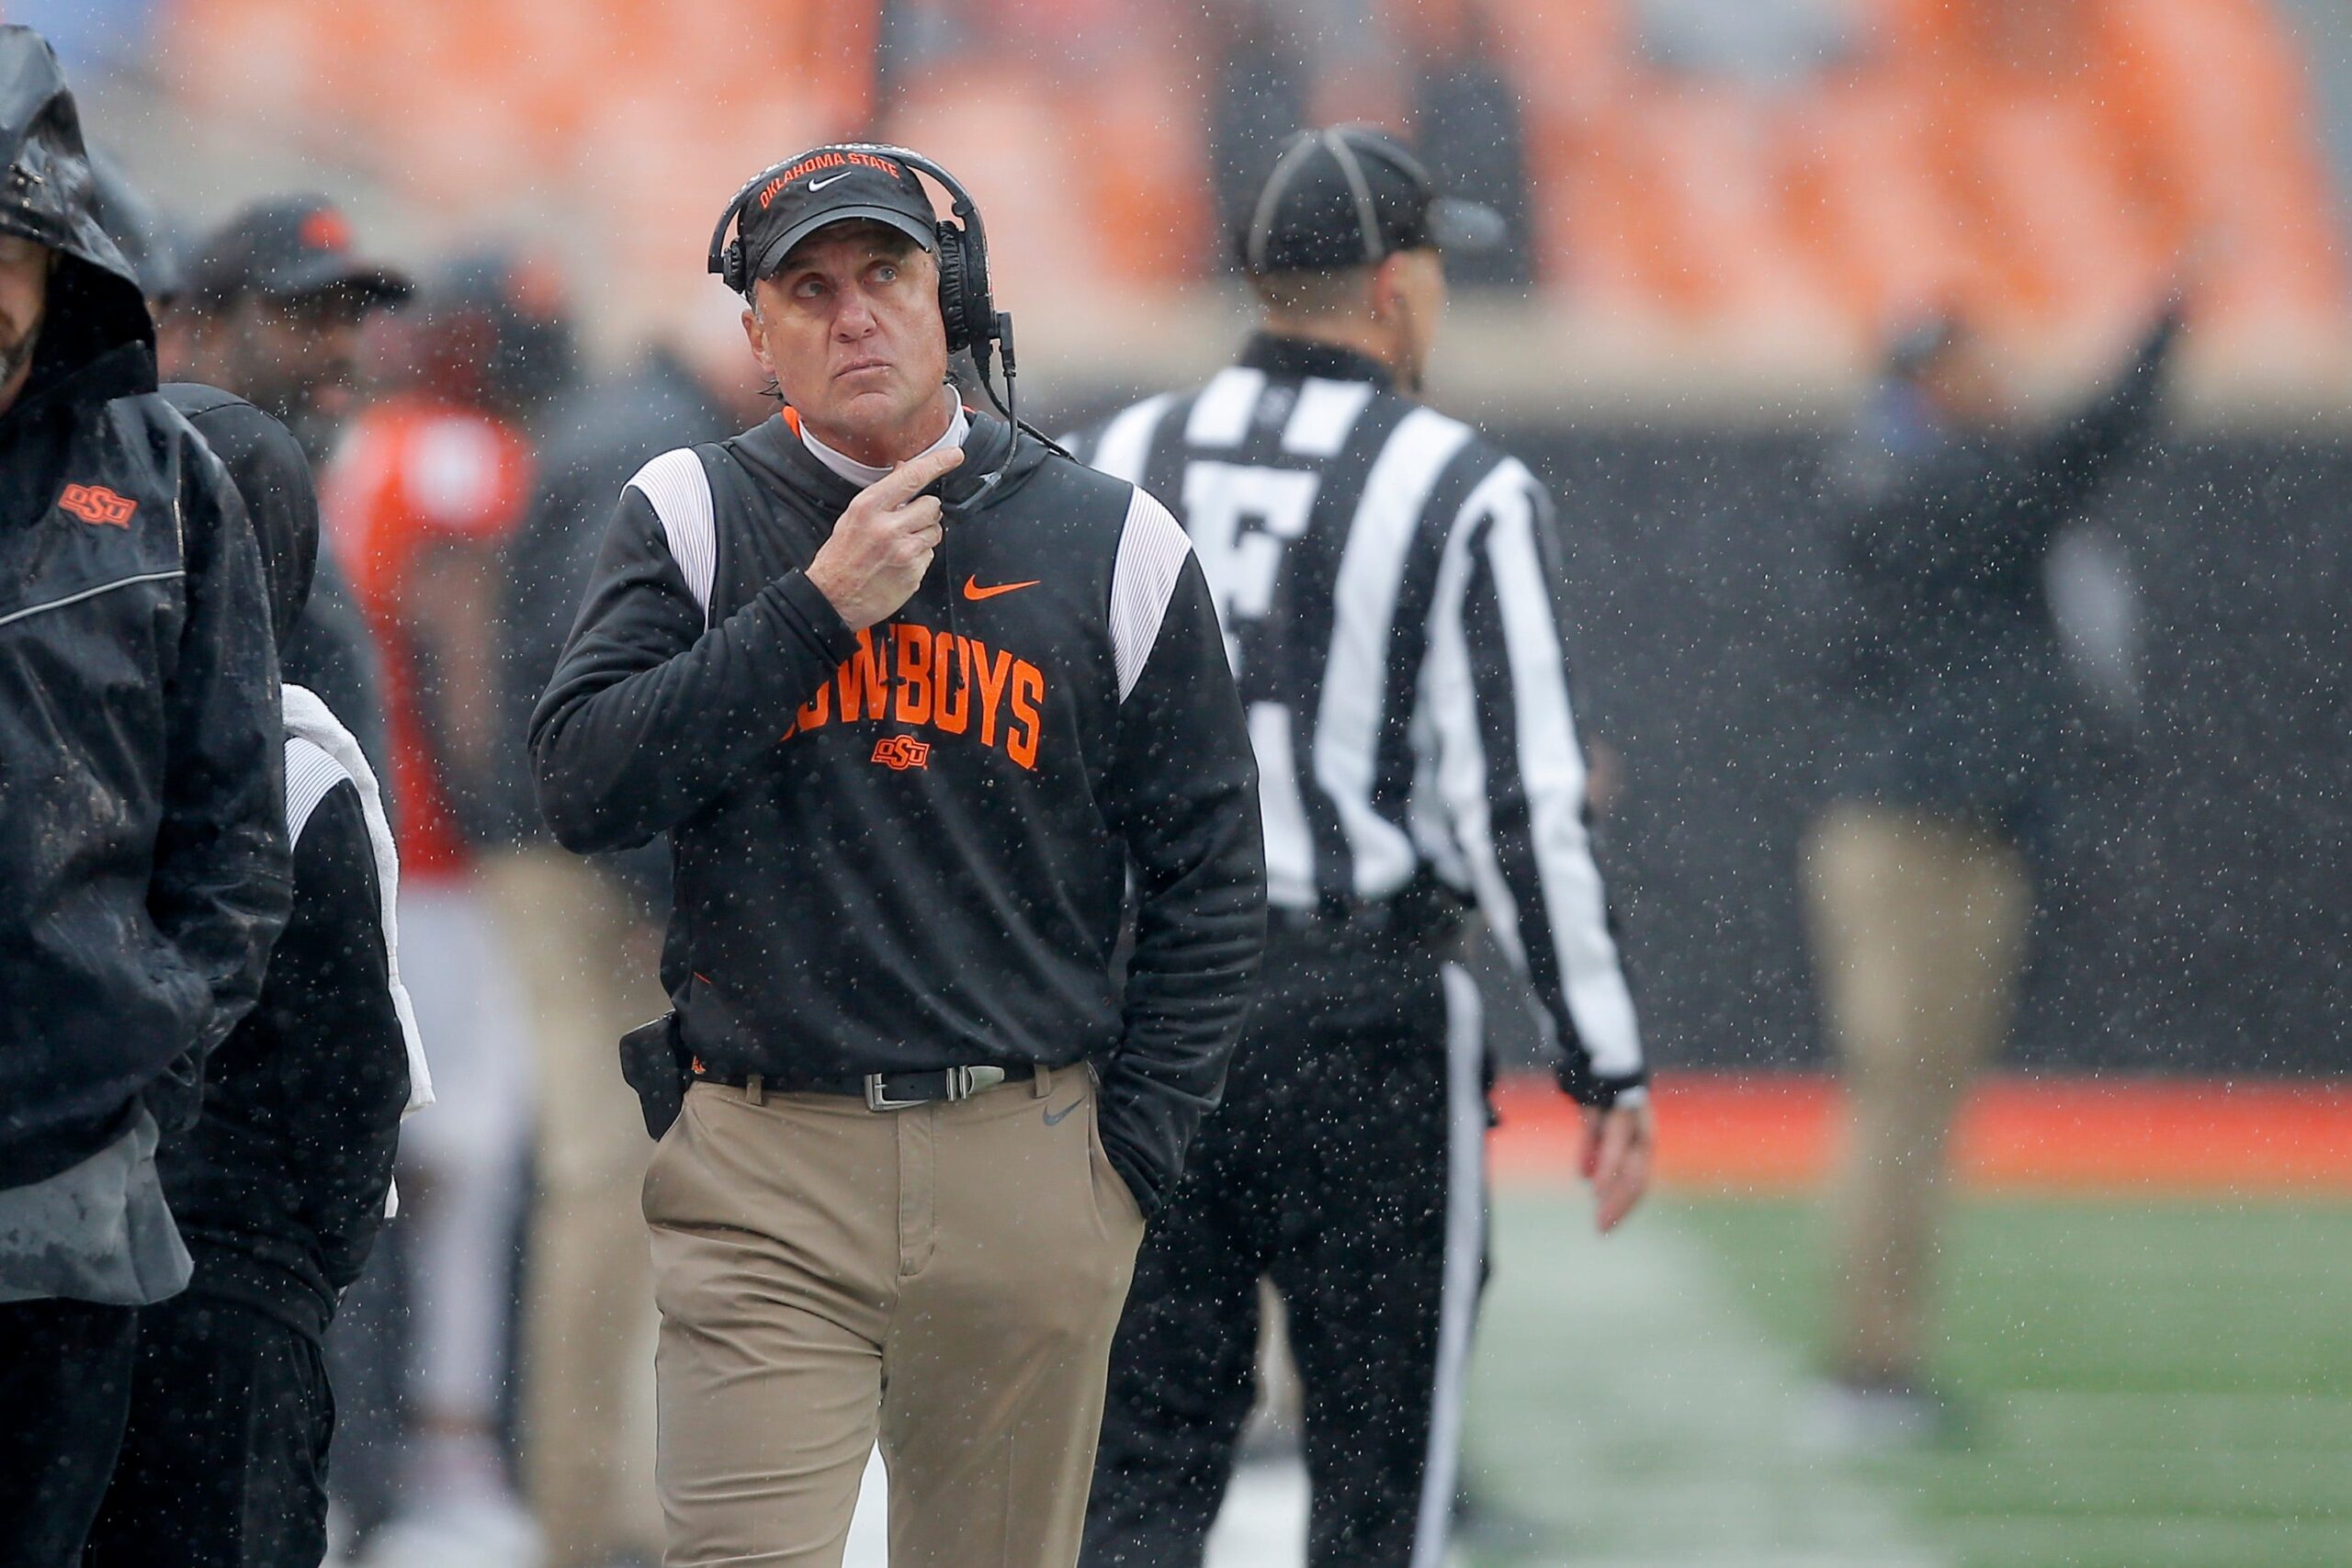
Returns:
(307, 720)
(680, 491)
(1152, 551)
(311, 773)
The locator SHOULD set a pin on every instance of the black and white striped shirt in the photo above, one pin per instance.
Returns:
(1383, 579)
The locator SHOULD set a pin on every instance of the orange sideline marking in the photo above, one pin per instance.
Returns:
(1776, 1133)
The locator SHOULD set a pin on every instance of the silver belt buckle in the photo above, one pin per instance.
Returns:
(962, 1084)
(876, 1100)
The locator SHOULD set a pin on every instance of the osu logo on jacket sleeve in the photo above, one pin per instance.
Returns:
(907, 676)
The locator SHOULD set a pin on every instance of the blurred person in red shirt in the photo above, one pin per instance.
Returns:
(425, 491)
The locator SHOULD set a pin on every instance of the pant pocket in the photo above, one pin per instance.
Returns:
(1111, 1194)
(660, 1174)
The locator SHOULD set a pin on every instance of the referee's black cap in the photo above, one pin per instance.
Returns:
(831, 185)
(1348, 196)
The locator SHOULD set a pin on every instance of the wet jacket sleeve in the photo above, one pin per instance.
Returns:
(220, 888)
(1184, 795)
(650, 715)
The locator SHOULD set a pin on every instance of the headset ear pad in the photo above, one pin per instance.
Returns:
(952, 283)
(964, 304)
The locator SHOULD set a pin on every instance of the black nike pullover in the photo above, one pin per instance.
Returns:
(910, 848)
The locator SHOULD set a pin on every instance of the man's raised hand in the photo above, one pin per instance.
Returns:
(881, 548)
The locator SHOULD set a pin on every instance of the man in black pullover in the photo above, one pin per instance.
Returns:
(909, 749)
(281, 1186)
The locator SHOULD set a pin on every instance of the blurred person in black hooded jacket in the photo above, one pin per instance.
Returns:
(585, 935)
(142, 844)
(282, 1184)
(1960, 728)
(269, 313)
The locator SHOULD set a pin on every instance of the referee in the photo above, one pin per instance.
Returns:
(1382, 577)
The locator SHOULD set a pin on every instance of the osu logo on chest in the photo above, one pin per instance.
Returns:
(900, 752)
(913, 677)
(97, 505)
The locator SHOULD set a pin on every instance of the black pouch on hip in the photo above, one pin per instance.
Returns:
(655, 1062)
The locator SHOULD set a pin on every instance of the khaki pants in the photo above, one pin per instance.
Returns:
(587, 969)
(1918, 933)
(944, 1279)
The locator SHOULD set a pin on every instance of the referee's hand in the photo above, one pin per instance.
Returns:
(1616, 1159)
(880, 548)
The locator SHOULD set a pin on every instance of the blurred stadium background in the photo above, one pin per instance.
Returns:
(1719, 207)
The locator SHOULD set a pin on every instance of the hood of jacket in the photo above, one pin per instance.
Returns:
(95, 311)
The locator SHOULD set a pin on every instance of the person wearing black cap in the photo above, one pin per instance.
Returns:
(1384, 578)
(328, 651)
(282, 1184)
(278, 297)
(912, 695)
(142, 845)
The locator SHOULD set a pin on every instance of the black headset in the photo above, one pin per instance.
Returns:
(972, 320)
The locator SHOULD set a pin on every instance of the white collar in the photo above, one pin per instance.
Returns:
(864, 474)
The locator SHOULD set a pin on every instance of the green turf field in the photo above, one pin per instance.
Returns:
(2150, 1385)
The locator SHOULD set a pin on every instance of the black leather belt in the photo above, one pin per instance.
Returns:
(1352, 922)
(1418, 914)
(883, 1091)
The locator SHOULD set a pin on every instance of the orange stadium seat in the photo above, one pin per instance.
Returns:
(482, 116)
(2061, 235)
(1570, 62)
(1147, 179)
(1871, 199)
(1713, 161)
(1009, 138)
(2214, 99)
(1595, 218)
(2045, 156)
